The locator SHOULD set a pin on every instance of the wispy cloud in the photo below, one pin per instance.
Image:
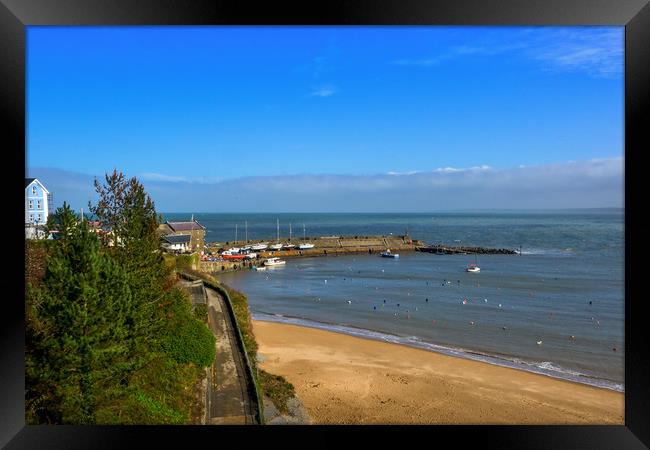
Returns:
(574, 184)
(599, 52)
(160, 177)
(324, 91)
(596, 51)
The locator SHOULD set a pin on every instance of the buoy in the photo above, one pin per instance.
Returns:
(349, 302)
(485, 300)
(464, 302)
(471, 322)
(572, 337)
(499, 305)
(539, 342)
(503, 328)
(426, 300)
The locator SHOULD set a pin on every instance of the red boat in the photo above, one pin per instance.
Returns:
(228, 255)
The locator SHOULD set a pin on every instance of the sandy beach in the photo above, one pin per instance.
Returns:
(343, 379)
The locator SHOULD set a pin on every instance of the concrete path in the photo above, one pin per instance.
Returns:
(228, 399)
(227, 396)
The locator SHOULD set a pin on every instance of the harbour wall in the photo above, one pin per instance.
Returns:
(335, 245)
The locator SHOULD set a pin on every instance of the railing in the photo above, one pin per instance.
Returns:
(240, 341)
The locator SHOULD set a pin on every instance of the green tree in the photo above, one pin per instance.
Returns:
(64, 220)
(76, 354)
(129, 212)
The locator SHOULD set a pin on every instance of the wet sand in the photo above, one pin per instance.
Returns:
(344, 379)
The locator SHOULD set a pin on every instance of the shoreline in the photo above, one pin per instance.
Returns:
(352, 379)
(441, 349)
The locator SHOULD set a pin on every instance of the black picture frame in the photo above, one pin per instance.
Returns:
(15, 15)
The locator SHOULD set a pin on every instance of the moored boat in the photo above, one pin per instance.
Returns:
(388, 254)
(229, 255)
(306, 245)
(473, 267)
(261, 246)
(277, 245)
(274, 262)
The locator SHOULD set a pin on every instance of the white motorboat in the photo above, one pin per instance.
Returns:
(270, 262)
(258, 247)
(250, 255)
(234, 250)
(288, 246)
(388, 254)
(473, 267)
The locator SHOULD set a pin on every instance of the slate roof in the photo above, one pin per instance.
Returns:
(29, 181)
(177, 238)
(185, 226)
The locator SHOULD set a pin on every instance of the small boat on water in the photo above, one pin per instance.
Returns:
(274, 262)
(388, 254)
(258, 268)
(473, 267)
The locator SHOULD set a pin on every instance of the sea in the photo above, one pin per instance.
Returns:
(556, 308)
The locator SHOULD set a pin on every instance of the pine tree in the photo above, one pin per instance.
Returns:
(130, 213)
(76, 353)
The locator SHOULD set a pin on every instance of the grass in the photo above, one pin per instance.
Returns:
(278, 389)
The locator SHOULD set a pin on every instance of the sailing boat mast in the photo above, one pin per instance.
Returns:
(289, 231)
(278, 241)
(246, 228)
(303, 231)
(235, 232)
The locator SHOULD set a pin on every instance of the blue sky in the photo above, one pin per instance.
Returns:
(380, 112)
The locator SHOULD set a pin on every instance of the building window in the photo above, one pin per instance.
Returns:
(31, 204)
(38, 204)
(34, 190)
(31, 217)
